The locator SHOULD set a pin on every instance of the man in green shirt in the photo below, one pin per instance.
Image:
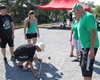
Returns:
(88, 36)
(51, 17)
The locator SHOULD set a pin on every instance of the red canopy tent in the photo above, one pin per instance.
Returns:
(61, 5)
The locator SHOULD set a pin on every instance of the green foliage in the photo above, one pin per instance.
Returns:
(90, 4)
(20, 8)
(97, 11)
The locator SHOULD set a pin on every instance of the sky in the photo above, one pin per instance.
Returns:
(97, 2)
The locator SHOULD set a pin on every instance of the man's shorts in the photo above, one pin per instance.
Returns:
(86, 63)
(32, 35)
(6, 40)
(24, 57)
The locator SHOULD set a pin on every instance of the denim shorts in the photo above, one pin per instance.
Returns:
(77, 44)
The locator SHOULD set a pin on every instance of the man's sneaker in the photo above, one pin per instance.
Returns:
(12, 58)
(76, 60)
(5, 60)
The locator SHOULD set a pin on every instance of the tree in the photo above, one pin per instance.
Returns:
(97, 11)
(90, 4)
(21, 8)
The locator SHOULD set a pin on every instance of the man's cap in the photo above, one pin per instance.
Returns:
(41, 46)
(76, 6)
(3, 7)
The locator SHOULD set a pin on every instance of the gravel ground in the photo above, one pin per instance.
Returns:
(57, 65)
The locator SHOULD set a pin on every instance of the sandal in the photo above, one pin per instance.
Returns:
(71, 55)
(26, 68)
(21, 66)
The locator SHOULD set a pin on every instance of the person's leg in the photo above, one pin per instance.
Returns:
(10, 42)
(26, 66)
(78, 48)
(72, 49)
(3, 52)
(3, 46)
(81, 56)
(87, 78)
(87, 64)
(77, 57)
(3, 49)
(34, 40)
(76, 44)
(11, 51)
(20, 63)
(29, 40)
(77, 54)
(28, 37)
(70, 22)
(12, 54)
(32, 69)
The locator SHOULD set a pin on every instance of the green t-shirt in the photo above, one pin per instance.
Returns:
(51, 16)
(64, 17)
(86, 23)
(74, 29)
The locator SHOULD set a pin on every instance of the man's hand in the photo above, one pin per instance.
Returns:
(13, 36)
(91, 54)
(70, 39)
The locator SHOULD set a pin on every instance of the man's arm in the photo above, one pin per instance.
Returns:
(92, 38)
(25, 25)
(37, 28)
(12, 26)
(71, 35)
(32, 69)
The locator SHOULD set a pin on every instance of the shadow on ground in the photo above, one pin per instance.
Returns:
(97, 69)
(49, 72)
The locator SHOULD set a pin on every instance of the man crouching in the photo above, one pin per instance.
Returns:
(25, 53)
